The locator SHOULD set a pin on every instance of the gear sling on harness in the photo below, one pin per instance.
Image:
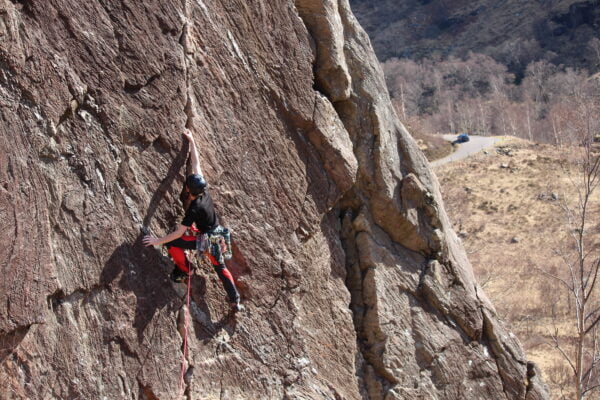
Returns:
(216, 243)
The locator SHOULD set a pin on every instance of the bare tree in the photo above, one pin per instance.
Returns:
(594, 45)
(477, 94)
(579, 255)
(529, 134)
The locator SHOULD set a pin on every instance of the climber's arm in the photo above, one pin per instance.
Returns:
(152, 241)
(195, 160)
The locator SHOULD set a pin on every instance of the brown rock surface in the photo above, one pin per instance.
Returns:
(330, 200)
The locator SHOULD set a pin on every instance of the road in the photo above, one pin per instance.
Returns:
(476, 144)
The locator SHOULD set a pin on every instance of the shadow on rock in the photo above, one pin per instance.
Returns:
(200, 313)
(143, 271)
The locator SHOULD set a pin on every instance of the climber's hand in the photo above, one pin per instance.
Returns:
(150, 240)
(188, 135)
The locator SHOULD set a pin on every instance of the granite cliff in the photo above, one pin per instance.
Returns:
(355, 285)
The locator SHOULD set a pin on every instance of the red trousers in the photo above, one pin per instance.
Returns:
(177, 249)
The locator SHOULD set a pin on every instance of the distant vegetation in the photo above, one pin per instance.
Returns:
(513, 32)
(479, 95)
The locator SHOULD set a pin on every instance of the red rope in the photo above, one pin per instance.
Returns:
(185, 334)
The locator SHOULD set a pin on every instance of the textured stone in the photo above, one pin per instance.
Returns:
(323, 21)
(330, 201)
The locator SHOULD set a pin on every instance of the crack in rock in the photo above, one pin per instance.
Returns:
(371, 340)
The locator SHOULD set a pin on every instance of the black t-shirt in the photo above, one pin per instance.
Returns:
(202, 212)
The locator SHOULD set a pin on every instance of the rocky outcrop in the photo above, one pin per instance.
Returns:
(331, 203)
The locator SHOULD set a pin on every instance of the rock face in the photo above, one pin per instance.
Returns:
(355, 285)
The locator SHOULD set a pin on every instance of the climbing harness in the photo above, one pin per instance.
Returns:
(185, 335)
(216, 243)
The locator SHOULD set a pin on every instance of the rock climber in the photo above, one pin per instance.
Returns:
(200, 217)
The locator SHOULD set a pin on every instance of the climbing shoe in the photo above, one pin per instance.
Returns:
(178, 276)
(236, 306)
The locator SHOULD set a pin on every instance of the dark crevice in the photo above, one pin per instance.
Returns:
(66, 115)
(317, 87)
(25, 7)
(530, 374)
(55, 299)
(134, 88)
(23, 365)
(146, 392)
(370, 343)
(182, 37)
(422, 275)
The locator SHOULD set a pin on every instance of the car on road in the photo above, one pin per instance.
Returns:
(462, 138)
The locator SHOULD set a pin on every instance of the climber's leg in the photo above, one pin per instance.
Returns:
(176, 251)
(226, 279)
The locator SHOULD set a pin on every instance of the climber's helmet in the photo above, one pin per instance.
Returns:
(195, 184)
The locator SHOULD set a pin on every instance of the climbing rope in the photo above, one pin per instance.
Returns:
(185, 334)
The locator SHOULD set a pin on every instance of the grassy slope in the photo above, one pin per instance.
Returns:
(489, 206)
(433, 146)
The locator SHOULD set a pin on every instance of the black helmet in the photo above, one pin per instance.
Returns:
(195, 184)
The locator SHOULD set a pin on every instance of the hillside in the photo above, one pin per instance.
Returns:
(355, 284)
(507, 206)
(513, 32)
